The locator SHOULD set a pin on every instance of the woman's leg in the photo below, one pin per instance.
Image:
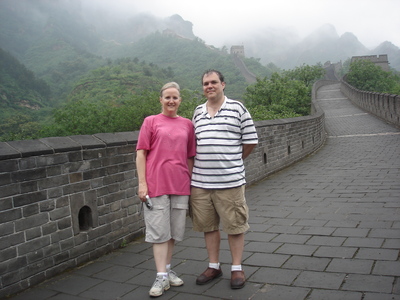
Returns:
(161, 252)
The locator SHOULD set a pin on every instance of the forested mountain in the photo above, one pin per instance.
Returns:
(56, 51)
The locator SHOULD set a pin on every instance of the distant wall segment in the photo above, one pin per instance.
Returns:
(67, 200)
(384, 106)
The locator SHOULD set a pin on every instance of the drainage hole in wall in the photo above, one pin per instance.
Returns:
(85, 218)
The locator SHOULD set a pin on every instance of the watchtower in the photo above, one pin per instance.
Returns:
(379, 60)
(237, 50)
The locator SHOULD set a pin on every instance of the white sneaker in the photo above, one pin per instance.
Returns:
(174, 280)
(159, 286)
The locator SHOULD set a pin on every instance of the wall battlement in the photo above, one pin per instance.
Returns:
(379, 60)
(384, 106)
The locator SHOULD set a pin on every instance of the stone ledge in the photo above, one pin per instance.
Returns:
(50, 145)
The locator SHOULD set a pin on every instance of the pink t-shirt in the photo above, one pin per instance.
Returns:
(169, 142)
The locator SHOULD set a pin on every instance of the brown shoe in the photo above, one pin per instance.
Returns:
(208, 275)
(237, 279)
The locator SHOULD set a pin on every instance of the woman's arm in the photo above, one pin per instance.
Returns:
(141, 156)
(190, 162)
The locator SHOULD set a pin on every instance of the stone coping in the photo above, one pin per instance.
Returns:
(51, 145)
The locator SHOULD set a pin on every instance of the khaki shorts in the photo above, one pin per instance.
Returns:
(167, 219)
(209, 207)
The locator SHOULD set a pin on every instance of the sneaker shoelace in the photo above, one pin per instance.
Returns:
(158, 283)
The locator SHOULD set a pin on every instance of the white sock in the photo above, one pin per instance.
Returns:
(213, 265)
(164, 275)
(168, 268)
(236, 268)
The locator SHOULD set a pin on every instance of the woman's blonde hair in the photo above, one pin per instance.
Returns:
(169, 85)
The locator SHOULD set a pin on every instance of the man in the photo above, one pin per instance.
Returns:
(225, 135)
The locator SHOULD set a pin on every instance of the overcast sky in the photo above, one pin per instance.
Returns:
(216, 21)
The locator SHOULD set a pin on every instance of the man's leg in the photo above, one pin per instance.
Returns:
(213, 240)
(236, 244)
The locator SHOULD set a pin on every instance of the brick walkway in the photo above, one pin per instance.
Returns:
(326, 228)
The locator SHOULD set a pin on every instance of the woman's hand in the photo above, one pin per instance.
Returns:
(143, 191)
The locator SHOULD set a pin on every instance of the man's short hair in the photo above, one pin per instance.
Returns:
(210, 71)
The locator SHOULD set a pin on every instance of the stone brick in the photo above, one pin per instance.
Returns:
(74, 156)
(368, 283)
(51, 249)
(378, 254)
(320, 279)
(12, 264)
(30, 210)
(10, 190)
(54, 170)
(62, 202)
(27, 163)
(307, 263)
(360, 266)
(11, 277)
(94, 174)
(33, 257)
(62, 257)
(9, 166)
(61, 235)
(29, 198)
(75, 177)
(28, 175)
(54, 192)
(30, 222)
(76, 187)
(59, 213)
(8, 253)
(6, 228)
(50, 160)
(47, 205)
(10, 215)
(54, 181)
(94, 154)
(64, 223)
(99, 231)
(5, 179)
(6, 204)
(49, 228)
(29, 187)
(37, 267)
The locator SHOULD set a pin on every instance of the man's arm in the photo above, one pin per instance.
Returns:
(247, 149)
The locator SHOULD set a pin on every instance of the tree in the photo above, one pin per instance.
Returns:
(367, 76)
(286, 94)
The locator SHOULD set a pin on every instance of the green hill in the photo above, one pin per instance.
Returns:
(69, 60)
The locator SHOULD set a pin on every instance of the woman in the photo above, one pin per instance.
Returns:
(164, 160)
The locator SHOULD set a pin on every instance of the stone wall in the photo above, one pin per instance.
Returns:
(384, 106)
(67, 200)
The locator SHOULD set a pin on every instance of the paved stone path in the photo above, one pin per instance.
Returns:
(325, 228)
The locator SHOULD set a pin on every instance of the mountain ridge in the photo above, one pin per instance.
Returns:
(282, 47)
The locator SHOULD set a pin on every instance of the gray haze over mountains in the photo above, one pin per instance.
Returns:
(281, 46)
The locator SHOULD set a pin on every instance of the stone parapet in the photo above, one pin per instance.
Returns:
(384, 106)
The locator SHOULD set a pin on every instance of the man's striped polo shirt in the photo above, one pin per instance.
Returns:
(218, 162)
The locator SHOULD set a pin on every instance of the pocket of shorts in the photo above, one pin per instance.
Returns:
(181, 205)
(158, 206)
(242, 213)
